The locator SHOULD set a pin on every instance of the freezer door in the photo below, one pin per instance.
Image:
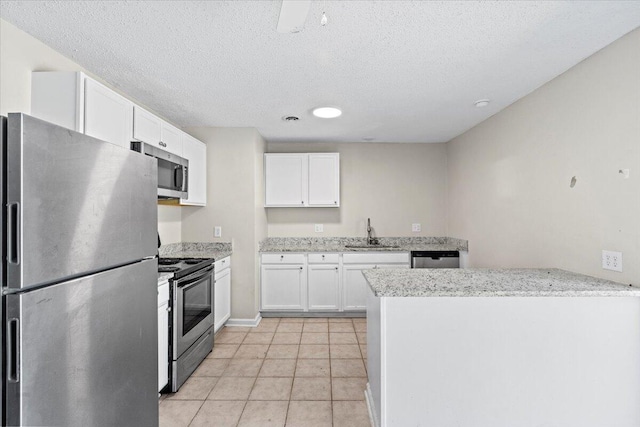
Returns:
(75, 204)
(84, 352)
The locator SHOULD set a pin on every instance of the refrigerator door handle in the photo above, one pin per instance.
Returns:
(13, 354)
(13, 230)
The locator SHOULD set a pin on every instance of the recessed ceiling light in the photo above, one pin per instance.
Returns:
(327, 112)
(482, 103)
(290, 118)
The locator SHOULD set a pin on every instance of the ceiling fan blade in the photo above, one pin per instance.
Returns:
(293, 14)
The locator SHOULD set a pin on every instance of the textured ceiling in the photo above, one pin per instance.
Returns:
(402, 71)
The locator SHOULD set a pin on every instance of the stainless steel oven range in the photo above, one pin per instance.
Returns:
(191, 328)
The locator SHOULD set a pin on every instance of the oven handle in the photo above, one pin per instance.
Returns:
(195, 277)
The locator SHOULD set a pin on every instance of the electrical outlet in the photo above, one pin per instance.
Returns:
(416, 228)
(612, 260)
(217, 231)
(319, 228)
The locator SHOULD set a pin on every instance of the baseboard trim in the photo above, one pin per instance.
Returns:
(371, 407)
(252, 323)
(312, 314)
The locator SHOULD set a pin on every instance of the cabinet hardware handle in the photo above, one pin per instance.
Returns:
(281, 257)
(162, 144)
(168, 308)
(335, 202)
(322, 256)
(300, 268)
(336, 268)
(302, 202)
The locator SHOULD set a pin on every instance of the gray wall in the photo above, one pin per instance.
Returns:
(509, 192)
(234, 202)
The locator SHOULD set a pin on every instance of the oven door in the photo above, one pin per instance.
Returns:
(193, 309)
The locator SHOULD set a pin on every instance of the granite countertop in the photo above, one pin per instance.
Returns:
(164, 276)
(479, 282)
(215, 251)
(337, 244)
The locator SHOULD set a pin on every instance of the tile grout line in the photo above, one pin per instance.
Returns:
(246, 402)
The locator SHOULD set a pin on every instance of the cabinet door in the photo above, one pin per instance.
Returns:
(324, 179)
(146, 126)
(222, 298)
(196, 152)
(285, 179)
(171, 139)
(163, 345)
(107, 115)
(324, 287)
(354, 287)
(283, 287)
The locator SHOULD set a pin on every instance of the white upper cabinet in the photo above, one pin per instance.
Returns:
(107, 115)
(155, 131)
(77, 102)
(285, 179)
(146, 126)
(302, 179)
(171, 139)
(324, 179)
(196, 152)
(58, 97)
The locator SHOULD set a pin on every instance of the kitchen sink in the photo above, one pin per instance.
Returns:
(371, 247)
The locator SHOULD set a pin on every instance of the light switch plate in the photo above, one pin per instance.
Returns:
(319, 228)
(416, 228)
(217, 231)
(612, 260)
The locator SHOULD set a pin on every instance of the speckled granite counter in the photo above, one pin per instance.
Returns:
(164, 276)
(196, 250)
(477, 282)
(337, 244)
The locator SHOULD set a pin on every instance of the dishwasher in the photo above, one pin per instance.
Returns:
(435, 259)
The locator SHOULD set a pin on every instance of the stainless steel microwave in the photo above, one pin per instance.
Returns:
(173, 171)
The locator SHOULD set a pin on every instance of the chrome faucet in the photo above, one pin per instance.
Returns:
(371, 240)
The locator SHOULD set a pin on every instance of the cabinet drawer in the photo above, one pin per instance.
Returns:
(163, 293)
(376, 258)
(283, 258)
(324, 258)
(222, 264)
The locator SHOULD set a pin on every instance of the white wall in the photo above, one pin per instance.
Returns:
(234, 185)
(509, 192)
(395, 185)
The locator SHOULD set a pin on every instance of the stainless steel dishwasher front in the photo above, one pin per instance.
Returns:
(435, 259)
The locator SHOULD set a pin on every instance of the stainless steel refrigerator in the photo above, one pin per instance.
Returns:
(79, 279)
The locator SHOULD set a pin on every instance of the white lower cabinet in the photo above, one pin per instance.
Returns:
(222, 293)
(354, 287)
(283, 287)
(330, 282)
(324, 287)
(163, 334)
(354, 284)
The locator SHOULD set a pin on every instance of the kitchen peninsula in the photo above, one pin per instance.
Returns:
(502, 347)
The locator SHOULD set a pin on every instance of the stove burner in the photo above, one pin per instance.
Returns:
(192, 261)
(168, 269)
(168, 261)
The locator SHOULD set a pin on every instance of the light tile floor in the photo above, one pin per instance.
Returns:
(285, 372)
